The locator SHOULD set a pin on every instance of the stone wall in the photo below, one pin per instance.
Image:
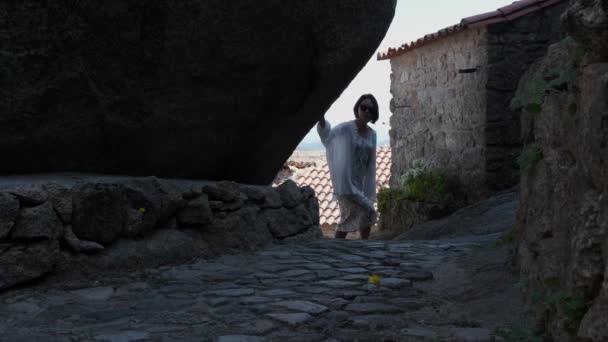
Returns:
(563, 218)
(439, 108)
(110, 224)
(512, 47)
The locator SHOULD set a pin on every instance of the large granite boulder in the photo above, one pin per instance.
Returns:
(587, 22)
(207, 89)
(563, 218)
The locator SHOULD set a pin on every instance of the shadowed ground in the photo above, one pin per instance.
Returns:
(458, 289)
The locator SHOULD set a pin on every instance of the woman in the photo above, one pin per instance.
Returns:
(351, 156)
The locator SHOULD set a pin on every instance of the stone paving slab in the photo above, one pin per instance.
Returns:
(318, 291)
(302, 306)
(291, 318)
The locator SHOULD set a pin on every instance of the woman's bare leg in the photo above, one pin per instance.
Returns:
(365, 232)
(340, 235)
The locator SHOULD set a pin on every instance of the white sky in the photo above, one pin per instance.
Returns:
(413, 19)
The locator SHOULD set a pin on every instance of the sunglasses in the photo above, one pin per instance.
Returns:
(366, 108)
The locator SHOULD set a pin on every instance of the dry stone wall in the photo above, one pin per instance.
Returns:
(98, 225)
(439, 107)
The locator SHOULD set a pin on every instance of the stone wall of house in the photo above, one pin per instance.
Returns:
(512, 47)
(109, 224)
(439, 106)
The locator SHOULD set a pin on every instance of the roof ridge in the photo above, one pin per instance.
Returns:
(506, 13)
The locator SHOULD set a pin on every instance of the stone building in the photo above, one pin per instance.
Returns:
(451, 93)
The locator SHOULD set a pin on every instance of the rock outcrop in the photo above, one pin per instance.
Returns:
(129, 224)
(563, 219)
(205, 89)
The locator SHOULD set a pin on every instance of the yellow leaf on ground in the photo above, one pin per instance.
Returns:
(375, 279)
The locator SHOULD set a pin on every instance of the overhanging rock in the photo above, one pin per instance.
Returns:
(206, 89)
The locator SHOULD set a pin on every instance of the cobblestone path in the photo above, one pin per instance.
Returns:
(318, 291)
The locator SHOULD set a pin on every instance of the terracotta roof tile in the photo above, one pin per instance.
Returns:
(332, 205)
(299, 164)
(506, 13)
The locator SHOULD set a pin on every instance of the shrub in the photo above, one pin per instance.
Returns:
(418, 184)
(574, 308)
(535, 95)
(508, 238)
(423, 185)
(579, 54)
(389, 195)
(534, 108)
(551, 282)
(571, 305)
(530, 155)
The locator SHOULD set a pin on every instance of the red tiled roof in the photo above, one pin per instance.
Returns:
(284, 173)
(299, 164)
(503, 14)
(319, 179)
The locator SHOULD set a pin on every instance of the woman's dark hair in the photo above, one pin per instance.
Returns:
(374, 110)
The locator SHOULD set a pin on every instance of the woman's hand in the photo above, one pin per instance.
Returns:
(322, 122)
